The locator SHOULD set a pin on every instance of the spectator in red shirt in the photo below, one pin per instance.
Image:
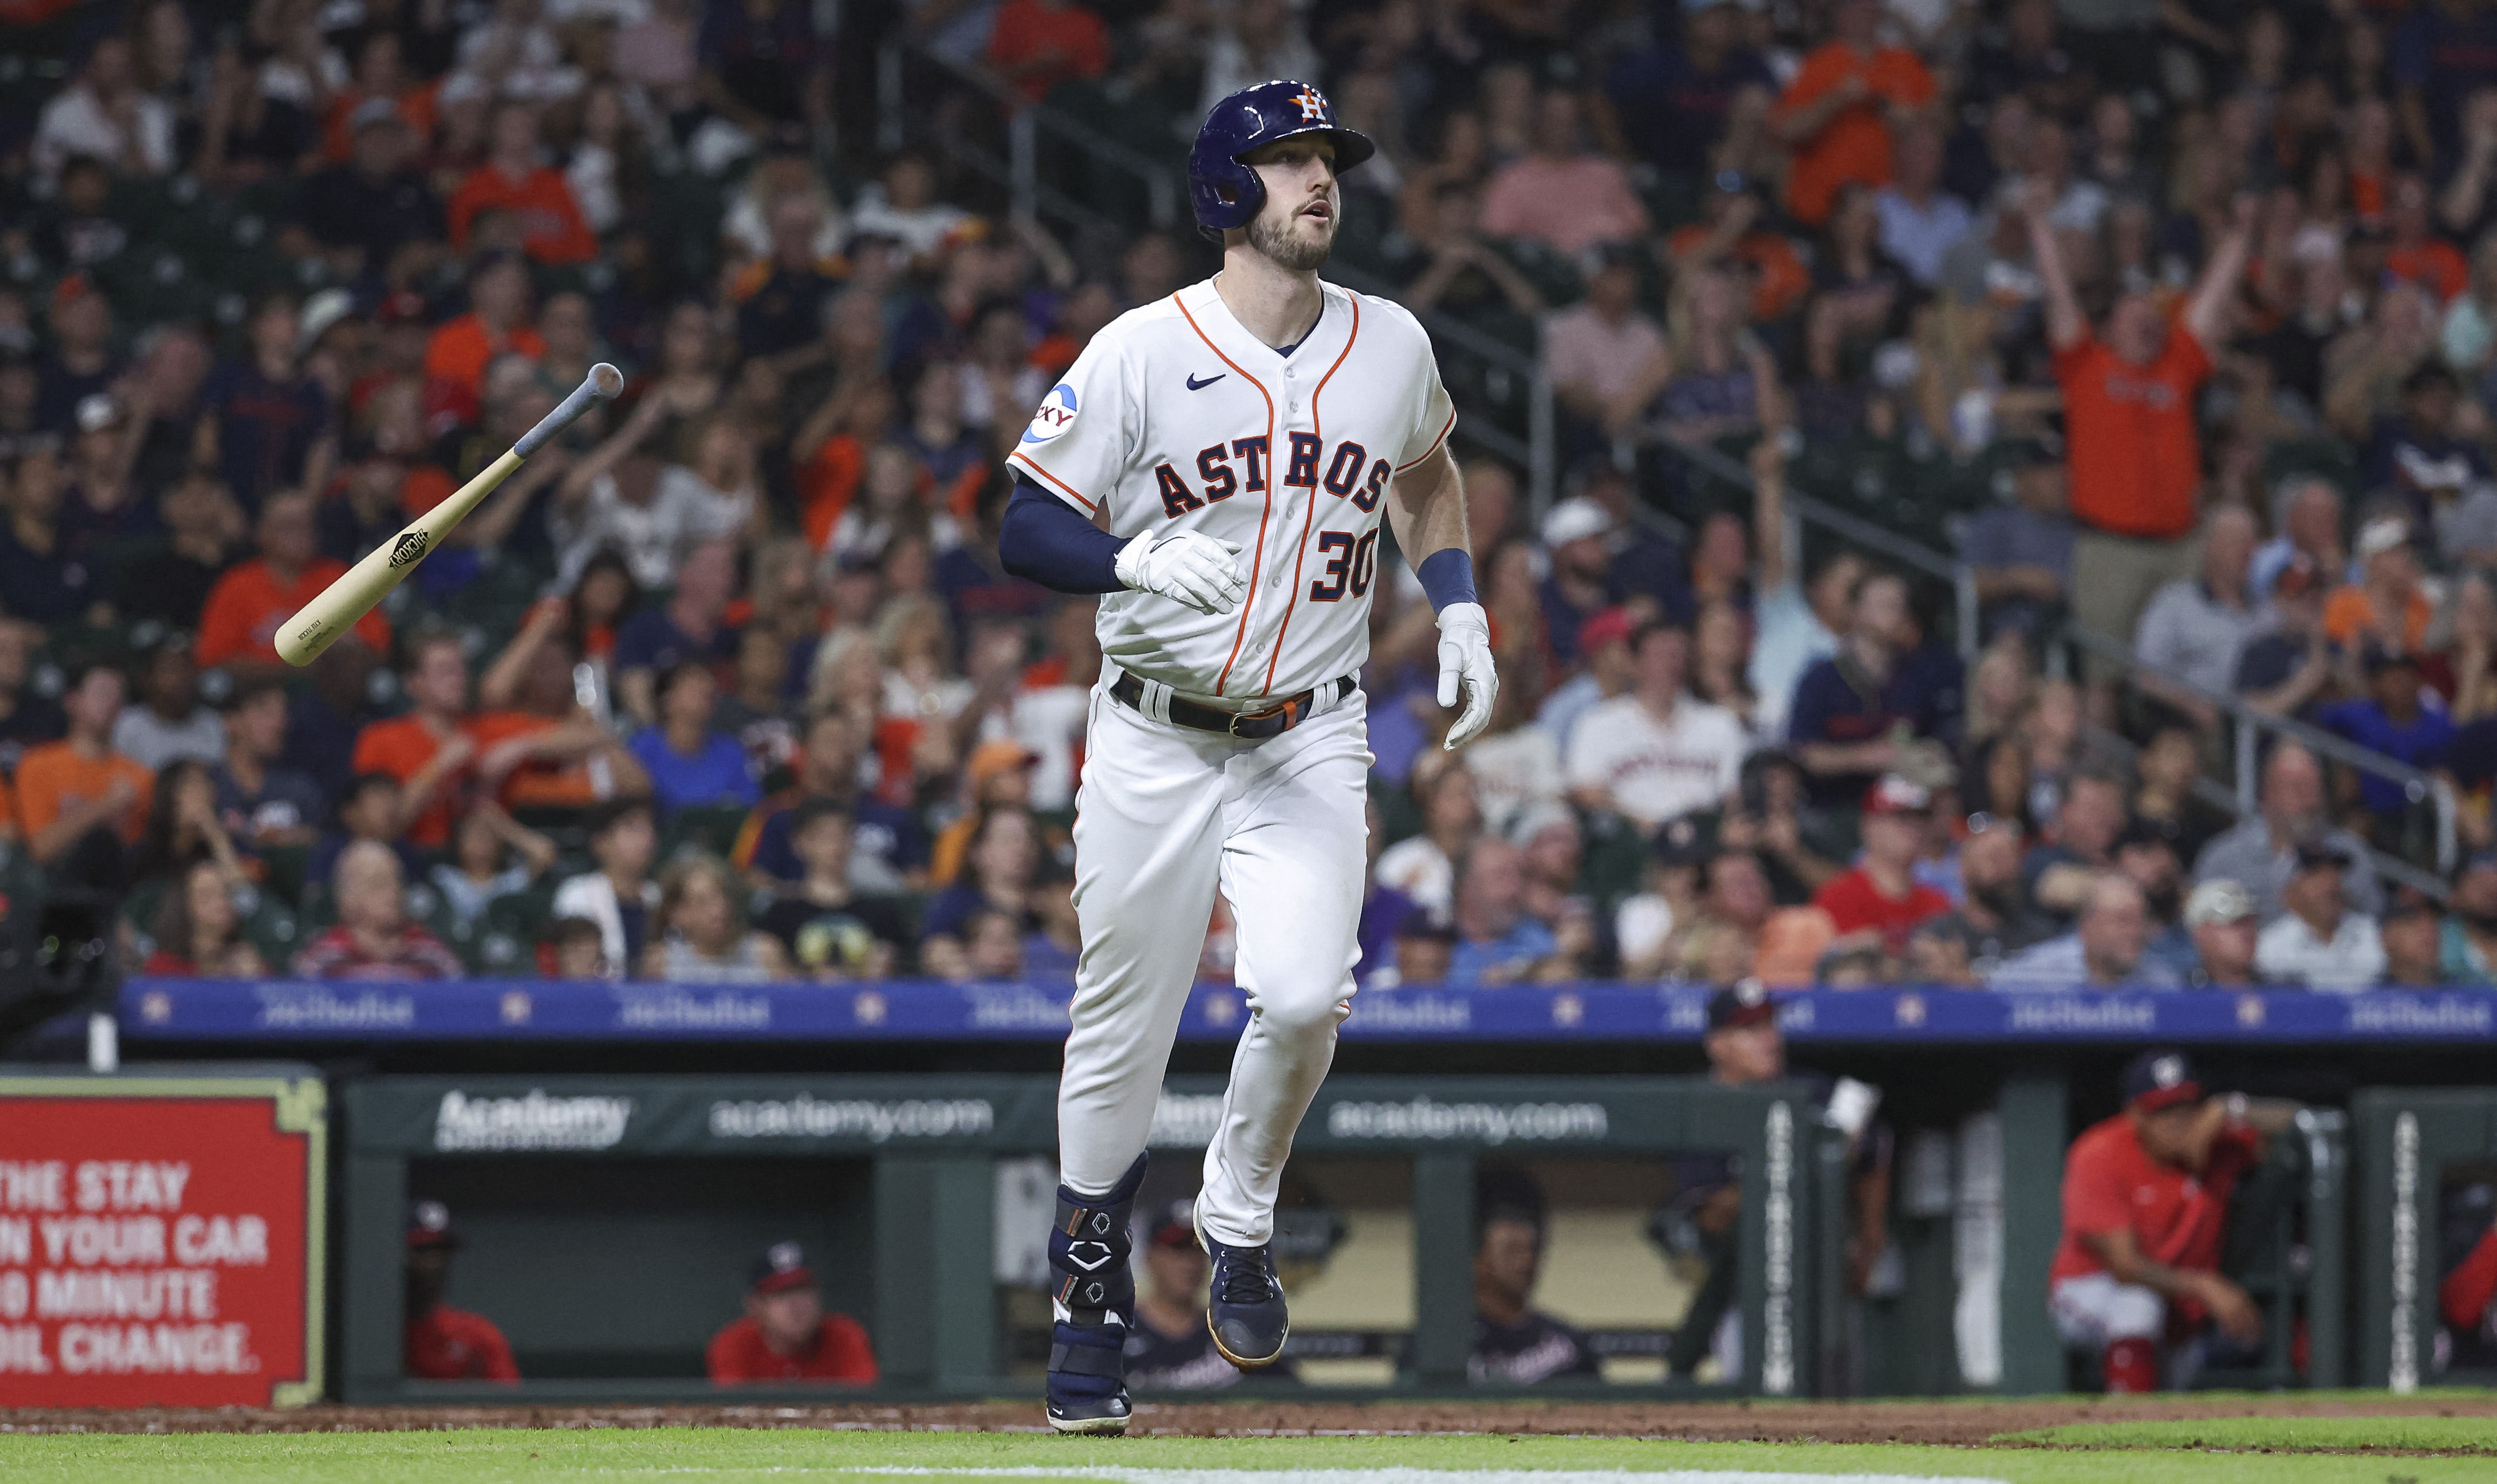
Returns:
(238, 626)
(785, 1335)
(1035, 45)
(429, 749)
(2146, 1199)
(444, 1344)
(373, 939)
(514, 180)
(1880, 897)
(2137, 464)
(2417, 254)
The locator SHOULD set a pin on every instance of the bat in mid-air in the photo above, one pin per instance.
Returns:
(339, 606)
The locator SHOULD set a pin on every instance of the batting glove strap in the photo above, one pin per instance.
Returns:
(1187, 567)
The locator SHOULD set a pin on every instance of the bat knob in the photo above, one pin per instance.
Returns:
(605, 381)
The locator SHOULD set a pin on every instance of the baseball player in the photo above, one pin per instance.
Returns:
(1218, 464)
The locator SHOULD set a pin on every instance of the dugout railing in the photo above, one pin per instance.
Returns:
(612, 1204)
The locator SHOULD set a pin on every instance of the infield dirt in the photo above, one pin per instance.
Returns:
(1948, 1423)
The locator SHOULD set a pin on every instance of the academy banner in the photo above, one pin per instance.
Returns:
(161, 1239)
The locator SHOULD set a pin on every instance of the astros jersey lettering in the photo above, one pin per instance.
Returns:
(1175, 418)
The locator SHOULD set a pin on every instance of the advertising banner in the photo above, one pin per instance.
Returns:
(159, 1239)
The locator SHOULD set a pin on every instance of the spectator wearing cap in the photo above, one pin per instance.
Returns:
(2194, 629)
(619, 895)
(81, 362)
(80, 790)
(2128, 394)
(1563, 194)
(238, 627)
(2469, 953)
(373, 937)
(2220, 914)
(172, 722)
(1656, 753)
(1880, 896)
(2389, 717)
(1839, 112)
(1515, 1342)
(43, 583)
(1854, 711)
(2022, 550)
(2320, 941)
(1575, 532)
(2412, 933)
(440, 1342)
(1169, 1348)
(2107, 948)
(2386, 604)
(105, 516)
(786, 1334)
(2288, 665)
(2146, 1205)
(365, 209)
(1607, 358)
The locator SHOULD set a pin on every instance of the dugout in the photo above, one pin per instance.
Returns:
(607, 1221)
(2420, 1153)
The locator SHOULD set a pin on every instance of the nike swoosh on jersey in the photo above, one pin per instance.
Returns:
(1195, 384)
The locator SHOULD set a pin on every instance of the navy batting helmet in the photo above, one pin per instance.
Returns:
(1227, 192)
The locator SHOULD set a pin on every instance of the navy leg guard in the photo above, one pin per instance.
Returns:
(1093, 1306)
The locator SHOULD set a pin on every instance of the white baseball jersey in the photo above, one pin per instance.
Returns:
(1175, 418)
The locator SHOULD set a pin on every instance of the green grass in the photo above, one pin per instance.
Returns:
(728, 1456)
(2479, 1433)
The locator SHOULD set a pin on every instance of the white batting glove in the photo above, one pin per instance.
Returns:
(1189, 567)
(1465, 659)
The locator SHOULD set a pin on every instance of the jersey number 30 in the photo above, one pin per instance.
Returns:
(1349, 566)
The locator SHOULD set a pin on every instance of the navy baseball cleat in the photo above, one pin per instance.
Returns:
(1093, 1306)
(1244, 1312)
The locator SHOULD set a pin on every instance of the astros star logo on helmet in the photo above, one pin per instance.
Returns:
(1313, 105)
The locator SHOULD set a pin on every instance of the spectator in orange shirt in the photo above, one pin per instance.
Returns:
(1035, 45)
(78, 787)
(1564, 194)
(428, 749)
(2417, 254)
(2385, 607)
(1837, 112)
(379, 73)
(238, 627)
(515, 179)
(498, 323)
(1729, 233)
(2137, 464)
(786, 1336)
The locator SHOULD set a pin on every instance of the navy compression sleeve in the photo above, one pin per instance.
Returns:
(1045, 541)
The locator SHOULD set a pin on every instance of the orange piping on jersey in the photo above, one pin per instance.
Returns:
(1034, 466)
(1257, 563)
(1310, 515)
(1434, 443)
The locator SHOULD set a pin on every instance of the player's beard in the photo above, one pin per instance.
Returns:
(1275, 240)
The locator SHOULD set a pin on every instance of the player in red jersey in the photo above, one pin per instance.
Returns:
(444, 1344)
(785, 1335)
(2146, 1212)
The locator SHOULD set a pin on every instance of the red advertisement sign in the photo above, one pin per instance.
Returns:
(160, 1241)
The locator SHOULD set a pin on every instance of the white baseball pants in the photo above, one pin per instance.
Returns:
(1165, 816)
(2095, 1310)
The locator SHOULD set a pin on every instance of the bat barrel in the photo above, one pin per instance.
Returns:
(603, 382)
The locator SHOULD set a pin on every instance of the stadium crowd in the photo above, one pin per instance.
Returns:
(2184, 315)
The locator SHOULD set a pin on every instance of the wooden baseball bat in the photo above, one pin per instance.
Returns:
(353, 595)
